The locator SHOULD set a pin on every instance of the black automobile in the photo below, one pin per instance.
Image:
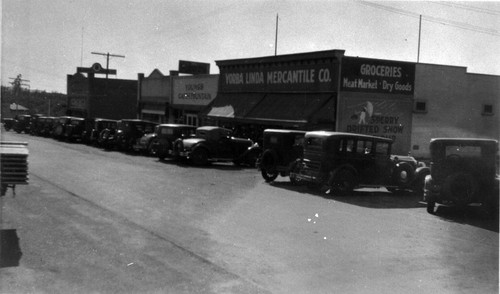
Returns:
(160, 142)
(342, 162)
(93, 127)
(281, 150)
(462, 172)
(129, 130)
(46, 126)
(74, 129)
(22, 123)
(211, 144)
(60, 124)
(8, 123)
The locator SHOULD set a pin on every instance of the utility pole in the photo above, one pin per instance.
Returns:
(17, 85)
(276, 38)
(419, 32)
(107, 59)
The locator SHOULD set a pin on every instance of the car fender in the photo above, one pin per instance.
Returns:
(251, 152)
(422, 172)
(201, 145)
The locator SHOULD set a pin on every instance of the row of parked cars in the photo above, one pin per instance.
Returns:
(461, 171)
(199, 145)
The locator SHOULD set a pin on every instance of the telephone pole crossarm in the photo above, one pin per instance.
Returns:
(108, 55)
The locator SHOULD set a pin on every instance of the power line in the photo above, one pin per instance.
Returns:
(442, 21)
(468, 7)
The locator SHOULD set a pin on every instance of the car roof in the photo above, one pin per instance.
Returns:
(345, 134)
(462, 140)
(210, 128)
(138, 121)
(284, 131)
(177, 126)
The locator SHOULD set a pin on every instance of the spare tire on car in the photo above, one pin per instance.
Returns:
(462, 187)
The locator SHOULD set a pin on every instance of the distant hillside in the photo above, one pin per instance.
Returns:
(35, 101)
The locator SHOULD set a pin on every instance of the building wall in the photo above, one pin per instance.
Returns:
(99, 97)
(154, 97)
(376, 99)
(190, 95)
(119, 101)
(454, 102)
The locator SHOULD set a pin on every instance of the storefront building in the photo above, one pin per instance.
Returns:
(297, 91)
(190, 95)
(154, 96)
(174, 98)
(376, 98)
(451, 103)
(91, 97)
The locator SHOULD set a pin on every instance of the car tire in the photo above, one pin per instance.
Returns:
(462, 187)
(342, 181)
(269, 160)
(403, 174)
(430, 206)
(199, 156)
(269, 176)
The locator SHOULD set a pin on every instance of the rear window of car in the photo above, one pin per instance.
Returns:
(463, 151)
(167, 131)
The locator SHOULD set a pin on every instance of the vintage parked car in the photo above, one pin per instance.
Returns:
(212, 144)
(93, 128)
(74, 129)
(46, 126)
(35, 124)
(60, 124)
(8, 123)
(462, 172)
(342, 162)
(22, 123)
(129, 130)
(160, 142)
(281, 148)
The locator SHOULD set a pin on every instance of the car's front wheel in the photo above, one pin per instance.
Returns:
(199, 156)
(430, 206)
(269, 176)
(343, 181)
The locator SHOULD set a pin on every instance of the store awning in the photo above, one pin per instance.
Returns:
(237, 105)
(294, 107)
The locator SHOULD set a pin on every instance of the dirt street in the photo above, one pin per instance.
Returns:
(93, 221)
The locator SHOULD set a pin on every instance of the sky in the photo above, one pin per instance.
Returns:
(45, 40)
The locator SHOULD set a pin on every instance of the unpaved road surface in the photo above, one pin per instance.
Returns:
(94, 221)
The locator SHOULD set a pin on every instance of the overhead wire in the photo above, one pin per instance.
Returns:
(468, 7)
(438, 20)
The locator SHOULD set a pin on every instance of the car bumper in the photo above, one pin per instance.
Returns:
(184, 154)
(307, 176)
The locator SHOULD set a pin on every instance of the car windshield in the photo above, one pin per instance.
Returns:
(314, 142)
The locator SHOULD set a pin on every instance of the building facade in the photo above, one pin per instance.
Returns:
(376, 98)
(449, 102)
(297, 91)
(91, 97)
(173, 98)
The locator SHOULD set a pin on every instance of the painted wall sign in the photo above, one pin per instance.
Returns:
(77, 103)
(388, 118)
(194, 90)
(195, 68)
(319, 77)
(377, 76)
